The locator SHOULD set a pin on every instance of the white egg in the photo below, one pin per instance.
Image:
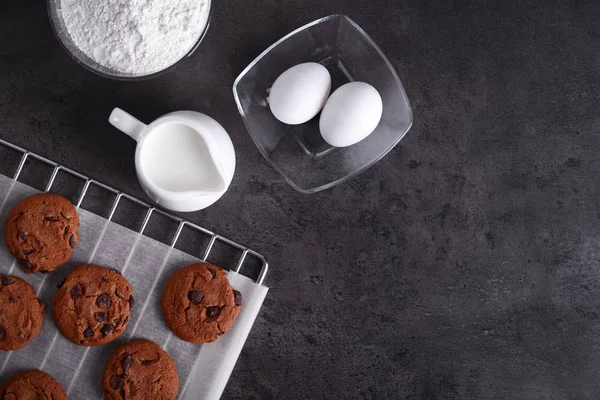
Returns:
(300, 93)
(351, 114)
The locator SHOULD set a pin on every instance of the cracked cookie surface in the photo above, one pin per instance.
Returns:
(199, 304)
(32, 385)
(21, 313)
(140, 370)
(42, 232)
(92, 305)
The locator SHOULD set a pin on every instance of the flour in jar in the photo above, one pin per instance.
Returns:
(137, 37)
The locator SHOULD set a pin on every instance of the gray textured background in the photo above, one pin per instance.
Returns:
(464, 265)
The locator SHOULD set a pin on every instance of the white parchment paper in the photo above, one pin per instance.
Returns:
(203, 369)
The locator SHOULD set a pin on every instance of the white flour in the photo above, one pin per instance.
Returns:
(135, 36)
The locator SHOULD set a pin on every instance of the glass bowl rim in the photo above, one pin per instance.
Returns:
(55, 30)
(366, 165)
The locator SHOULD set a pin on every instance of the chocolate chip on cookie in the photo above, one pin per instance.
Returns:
(32, 385)
(21, 313)
(140, 370)
(42, 231)
(199, 304)
(88, 308)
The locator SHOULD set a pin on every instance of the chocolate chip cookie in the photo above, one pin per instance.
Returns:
(92, 305)
(32, 385)
(21, 313)
(42, 231)
(199, 304)
(140, 370)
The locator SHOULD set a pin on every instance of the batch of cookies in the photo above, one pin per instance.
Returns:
(92, 307)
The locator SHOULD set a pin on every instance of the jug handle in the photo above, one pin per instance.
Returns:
(126, 123)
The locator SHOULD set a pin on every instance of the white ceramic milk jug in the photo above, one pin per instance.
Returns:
(184, 160)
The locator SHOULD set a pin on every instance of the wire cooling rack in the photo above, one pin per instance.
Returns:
(244, 256)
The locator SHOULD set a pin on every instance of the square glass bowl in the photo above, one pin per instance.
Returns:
(299, 152)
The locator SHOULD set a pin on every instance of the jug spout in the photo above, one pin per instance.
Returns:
(217, 182)
(216, 150)
(211, 174)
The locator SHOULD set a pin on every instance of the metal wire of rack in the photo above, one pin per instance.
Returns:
(150, 210)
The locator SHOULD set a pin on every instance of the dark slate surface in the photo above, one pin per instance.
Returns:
(462, 266)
